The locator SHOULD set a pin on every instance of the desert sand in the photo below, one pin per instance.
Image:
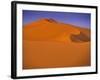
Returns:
(48, 43)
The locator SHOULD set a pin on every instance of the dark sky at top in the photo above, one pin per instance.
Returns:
(78, 19)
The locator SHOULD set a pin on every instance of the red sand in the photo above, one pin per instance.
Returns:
(49, 44)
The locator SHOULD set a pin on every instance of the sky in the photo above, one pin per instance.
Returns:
(78, 19)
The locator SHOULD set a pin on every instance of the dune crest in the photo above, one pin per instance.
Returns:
(48, 20)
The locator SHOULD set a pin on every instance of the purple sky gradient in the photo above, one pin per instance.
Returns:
(78, 19)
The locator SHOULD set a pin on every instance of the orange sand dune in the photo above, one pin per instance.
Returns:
(48, 44)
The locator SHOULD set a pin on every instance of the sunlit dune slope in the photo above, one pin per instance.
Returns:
(48, 43)
(48, 29)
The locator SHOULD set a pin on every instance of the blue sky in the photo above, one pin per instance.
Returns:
(78, 19)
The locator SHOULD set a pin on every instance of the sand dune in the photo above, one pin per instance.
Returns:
(48, 43)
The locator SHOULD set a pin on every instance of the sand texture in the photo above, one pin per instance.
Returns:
(50, 44)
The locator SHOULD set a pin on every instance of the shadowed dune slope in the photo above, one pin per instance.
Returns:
(48, 43)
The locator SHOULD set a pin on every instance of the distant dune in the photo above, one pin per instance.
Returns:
(48, 43)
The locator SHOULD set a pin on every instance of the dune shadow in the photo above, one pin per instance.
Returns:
(79, 38)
